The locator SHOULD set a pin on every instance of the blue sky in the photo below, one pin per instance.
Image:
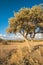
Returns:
(7, 8)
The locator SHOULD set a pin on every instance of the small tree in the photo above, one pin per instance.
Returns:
(26, 20)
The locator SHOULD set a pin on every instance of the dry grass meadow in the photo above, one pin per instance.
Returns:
(22, 53)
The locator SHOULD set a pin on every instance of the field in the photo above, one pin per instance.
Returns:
(22, 53)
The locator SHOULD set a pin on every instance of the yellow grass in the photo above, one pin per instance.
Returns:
(22, 53)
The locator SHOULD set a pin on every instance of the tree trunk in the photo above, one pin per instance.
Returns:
(27, 41)
(32, 35)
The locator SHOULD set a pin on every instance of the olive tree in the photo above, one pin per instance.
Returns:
(26, 20)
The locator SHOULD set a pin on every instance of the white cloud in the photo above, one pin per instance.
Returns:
(18, 36)
(11, 37)
(39, 36)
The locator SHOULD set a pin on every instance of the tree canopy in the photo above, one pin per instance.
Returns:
(26, 20)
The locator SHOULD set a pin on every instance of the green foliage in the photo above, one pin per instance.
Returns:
(26, 20)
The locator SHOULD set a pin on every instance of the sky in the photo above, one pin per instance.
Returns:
(7, 8)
